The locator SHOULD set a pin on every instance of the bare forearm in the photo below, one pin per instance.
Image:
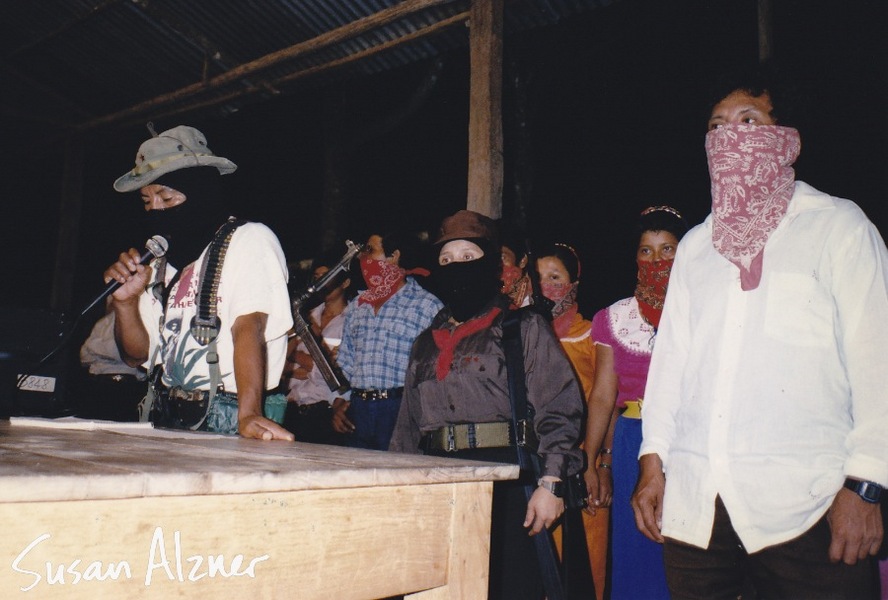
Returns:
(598, 427)
(599, 423)
(609, 436)
(129, 332)
(248, 334)
(250, 366)
(647, 501)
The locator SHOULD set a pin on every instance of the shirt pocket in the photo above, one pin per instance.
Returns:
(401, 327)
(798, 311)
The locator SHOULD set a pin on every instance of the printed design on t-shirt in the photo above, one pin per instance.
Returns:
(185, 291)
(184, 359)
(181, 357)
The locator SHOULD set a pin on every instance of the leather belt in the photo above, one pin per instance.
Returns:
(304, 409)
(177, 393)
(632, 409)
(376, 394)
(465, 436)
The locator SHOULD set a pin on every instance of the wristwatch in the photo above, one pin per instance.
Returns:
(555, 487)
(867, 490)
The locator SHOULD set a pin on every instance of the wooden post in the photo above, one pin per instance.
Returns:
(70, 205)
(485, 193)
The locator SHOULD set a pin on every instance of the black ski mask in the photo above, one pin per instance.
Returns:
(467, 287)
(189, 227)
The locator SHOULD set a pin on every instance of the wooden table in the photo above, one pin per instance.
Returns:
(156, 514)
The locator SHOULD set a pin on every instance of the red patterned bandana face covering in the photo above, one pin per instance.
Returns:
(750, 167)
(653, 278)
(564, 295)
(514, 284)
(383, 279)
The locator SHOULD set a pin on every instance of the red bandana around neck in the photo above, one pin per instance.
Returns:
(383, 279)
(564, 295)
(653, 279)
(447, 340)
(418, 272)
(750, 167)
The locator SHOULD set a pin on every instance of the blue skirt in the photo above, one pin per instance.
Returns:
(636, 562)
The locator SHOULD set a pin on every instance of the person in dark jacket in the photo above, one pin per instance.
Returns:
(457, 377)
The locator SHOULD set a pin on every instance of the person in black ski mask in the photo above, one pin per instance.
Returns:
(457, 384)
(467, 276)
(187, 226)
(209, 319)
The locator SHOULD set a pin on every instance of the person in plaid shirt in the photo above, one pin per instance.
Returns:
(380, 326)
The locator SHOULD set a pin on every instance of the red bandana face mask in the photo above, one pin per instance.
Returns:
(383, 279)
(653, 278)
(752, 183)
(514, 284)
(564, 295)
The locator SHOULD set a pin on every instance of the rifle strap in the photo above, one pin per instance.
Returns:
(570, 578)
(514, 352)
(545, 548)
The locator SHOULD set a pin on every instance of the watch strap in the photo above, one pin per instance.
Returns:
(867, 490)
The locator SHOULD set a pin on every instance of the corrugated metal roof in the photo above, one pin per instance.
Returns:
(72, 64)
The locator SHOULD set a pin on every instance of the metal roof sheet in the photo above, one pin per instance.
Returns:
(76, 63)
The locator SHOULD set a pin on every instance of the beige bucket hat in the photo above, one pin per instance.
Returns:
(177, 148)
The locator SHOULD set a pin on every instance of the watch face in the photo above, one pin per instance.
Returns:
(869, 491)
(556, 487)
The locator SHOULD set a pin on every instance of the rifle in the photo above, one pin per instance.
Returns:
(538, 302)
(329, 369)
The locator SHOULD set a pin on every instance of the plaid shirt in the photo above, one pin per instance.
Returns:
(376, 347)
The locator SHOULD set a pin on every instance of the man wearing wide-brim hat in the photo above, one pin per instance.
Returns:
(209, 320)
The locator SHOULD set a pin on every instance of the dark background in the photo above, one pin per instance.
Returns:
(616, 122)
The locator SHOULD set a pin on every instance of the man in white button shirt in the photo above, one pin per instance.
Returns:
(766, 411)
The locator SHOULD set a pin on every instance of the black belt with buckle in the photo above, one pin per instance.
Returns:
(376, 394)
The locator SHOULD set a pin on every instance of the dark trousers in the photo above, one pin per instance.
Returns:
(374, 421)
(799, 568)
(514, 567)
(311, 422)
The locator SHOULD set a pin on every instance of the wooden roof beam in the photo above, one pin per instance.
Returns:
(269, 60)
(339, 62)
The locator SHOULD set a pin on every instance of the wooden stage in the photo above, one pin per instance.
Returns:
(142, 513)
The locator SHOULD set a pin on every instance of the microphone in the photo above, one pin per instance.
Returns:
(155, 247)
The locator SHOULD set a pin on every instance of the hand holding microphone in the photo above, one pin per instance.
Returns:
(131, 266)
